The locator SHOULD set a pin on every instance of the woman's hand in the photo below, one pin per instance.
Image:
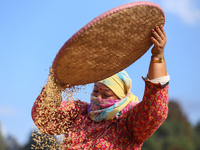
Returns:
(159, 40)
(157, 67)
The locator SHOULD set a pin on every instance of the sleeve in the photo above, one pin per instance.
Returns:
(162, 80)
(147, 116)
(53, 117)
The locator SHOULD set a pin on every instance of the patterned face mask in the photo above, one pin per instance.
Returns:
(107, 109)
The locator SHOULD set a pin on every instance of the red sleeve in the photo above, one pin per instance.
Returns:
(56, 120)
(147, 116)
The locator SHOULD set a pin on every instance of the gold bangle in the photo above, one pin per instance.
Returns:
(160, 60)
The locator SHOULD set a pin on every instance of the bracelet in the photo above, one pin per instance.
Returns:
(160, 60)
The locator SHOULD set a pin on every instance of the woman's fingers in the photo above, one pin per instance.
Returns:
(155, 42)
(163, 31)
(159, 40)
(159, 34)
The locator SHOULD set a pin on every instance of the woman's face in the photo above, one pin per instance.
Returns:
(102, 91)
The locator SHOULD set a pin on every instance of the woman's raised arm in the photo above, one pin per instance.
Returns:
(157, 67)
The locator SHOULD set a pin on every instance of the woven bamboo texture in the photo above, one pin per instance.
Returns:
(108, 44)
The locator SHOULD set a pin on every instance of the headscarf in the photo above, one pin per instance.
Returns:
(107, 109)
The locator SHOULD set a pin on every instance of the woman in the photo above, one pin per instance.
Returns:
(114, 119)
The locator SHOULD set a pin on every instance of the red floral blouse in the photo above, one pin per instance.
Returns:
(129, 131)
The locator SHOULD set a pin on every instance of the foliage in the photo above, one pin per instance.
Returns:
(3, 145)
(197, 135)
(12, 143)
(176, 133)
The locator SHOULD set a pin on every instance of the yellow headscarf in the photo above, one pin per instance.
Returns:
(120, 84)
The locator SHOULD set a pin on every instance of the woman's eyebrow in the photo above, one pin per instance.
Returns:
(107, 89)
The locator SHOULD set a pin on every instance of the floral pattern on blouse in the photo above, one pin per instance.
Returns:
(128, 131)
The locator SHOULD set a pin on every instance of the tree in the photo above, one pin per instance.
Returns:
(176, 133)
(197, 135)
(3, 145)
(12, 143)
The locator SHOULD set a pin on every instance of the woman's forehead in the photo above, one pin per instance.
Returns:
(102, 86)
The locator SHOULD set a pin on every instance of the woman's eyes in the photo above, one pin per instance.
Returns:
(96, 91)
(107, 95)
